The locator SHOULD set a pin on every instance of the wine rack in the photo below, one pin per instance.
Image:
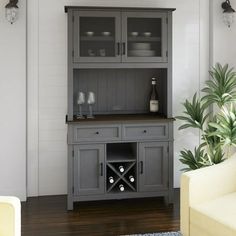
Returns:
(120, 166)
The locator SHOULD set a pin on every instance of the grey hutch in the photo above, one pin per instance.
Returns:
(114, 52)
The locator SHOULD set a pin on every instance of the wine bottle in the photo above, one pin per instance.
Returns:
(131, 178)
(154, 98)
(121, 169)
(111, 180)
(121, 187)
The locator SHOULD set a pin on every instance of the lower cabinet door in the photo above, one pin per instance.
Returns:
(89, 169)
(153, 166)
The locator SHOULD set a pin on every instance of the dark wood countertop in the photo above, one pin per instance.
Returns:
(122, 118)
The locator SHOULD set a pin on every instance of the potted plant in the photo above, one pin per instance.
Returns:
(218, 128)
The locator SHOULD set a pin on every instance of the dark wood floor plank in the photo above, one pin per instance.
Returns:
(47, 216)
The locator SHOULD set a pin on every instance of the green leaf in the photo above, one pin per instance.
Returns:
(221, 88)
(195, 114)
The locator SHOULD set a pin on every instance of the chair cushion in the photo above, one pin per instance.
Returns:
(7, 219)
(217, 217)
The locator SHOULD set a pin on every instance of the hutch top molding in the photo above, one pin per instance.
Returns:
(118, 8)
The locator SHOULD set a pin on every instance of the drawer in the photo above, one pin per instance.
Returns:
(96, 133)
(145, 131)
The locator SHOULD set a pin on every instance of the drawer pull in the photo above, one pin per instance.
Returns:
(141, 167)
(97, 132)
(101, 169)
(145, 131)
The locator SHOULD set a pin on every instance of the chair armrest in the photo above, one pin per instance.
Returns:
(10, 216)
(205, 184)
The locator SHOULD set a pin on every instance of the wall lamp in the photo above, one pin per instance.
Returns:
(228, 13)
(12, 11)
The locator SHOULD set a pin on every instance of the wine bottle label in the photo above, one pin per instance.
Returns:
(154, 105)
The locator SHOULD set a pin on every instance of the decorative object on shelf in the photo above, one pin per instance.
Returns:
(91, 102)
(91, 53)
(141, 46)
(134, 34)
(147, 34)
(228, 13)
(12, 11)
(80, 102)
(106, 33)
(141, 50)
(142, 53)
(89, 33)
(102, 52)
(154, 98)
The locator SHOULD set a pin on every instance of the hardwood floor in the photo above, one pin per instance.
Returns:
(47, 216)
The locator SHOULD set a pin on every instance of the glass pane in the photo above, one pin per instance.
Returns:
(144, 37)
(97, 36)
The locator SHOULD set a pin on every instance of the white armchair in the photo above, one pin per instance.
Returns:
(10, 216)
(208, 200)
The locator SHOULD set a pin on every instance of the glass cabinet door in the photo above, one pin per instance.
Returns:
(144, 37)
(97, 36)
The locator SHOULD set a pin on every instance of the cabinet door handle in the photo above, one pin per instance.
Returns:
(123, 48)
(101, 169)
(97, 132)
(141, 167)
(118, 49)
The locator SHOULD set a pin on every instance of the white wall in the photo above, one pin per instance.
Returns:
(47, 68)
(13, 103)
(223, 47)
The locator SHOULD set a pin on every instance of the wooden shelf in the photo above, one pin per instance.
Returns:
(97, 38)
(122, 152)
(144, 39)
(117, 158)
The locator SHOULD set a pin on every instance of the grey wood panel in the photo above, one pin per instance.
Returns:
(169, 71)
(89, 169)
(96, 133)
(120, 91)
(70, 65)
(154, 160)
(145, 131)
(70, 178)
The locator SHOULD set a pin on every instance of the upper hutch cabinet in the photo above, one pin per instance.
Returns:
(119, 36)
(144, 37)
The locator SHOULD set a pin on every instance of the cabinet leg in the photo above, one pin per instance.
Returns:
(166, 199)
(169, 199)
(70, 204)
